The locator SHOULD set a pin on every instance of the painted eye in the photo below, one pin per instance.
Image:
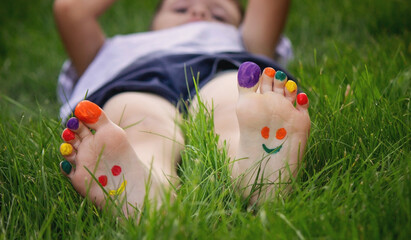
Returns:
(103, 180)
(281, 133)
(116, 170)
(265, 132)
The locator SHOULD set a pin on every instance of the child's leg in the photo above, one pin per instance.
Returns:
(150, 123)
(266, 134)
(120, 160)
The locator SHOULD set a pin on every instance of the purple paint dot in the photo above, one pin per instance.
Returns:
(248, 74)
(73, 123)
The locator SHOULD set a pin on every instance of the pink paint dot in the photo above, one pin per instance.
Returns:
(102, 180)
(116, 170)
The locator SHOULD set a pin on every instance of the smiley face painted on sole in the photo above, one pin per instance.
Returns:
(103, 179)
(280, 134)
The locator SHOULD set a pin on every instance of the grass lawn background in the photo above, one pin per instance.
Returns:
(356, 183)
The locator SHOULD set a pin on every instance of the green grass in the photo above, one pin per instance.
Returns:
(356, 183)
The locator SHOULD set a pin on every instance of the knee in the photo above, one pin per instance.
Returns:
(66, 9)
(61, 6)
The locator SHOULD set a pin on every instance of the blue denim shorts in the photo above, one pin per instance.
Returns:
(174, 76)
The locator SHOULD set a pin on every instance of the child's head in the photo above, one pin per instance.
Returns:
(171, 13)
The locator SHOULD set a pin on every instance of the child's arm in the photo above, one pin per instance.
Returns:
(79, 29)
(263, 24)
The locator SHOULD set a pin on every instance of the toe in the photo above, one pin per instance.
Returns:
(267, 79)
(74, 125)
(302, 101)
(67, 135)
(66, 149)
(77, 127)
(90, 114)
(70, 137)
(280, 79)
(248, 77)
(290, 90)
(66, 168)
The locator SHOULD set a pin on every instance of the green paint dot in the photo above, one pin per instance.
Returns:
(66, 166)
(280, 75)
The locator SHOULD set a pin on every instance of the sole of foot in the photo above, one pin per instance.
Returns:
(102, 165)
(273, 132)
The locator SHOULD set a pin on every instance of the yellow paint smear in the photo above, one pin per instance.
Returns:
(119, 190)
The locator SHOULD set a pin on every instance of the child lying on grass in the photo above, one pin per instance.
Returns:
(139, 78)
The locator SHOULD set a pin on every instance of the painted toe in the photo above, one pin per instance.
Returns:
(66, 168)
(267, 79)
(290, 90)
(90, 114)
(302, 101)
(280, 79)
(248, 77)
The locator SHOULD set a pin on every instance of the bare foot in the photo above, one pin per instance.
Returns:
(102, 165)
(273, 133)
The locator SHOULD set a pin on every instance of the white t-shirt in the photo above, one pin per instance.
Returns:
(120, 51)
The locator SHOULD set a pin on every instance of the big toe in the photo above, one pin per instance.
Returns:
(248, 77)
(90, 114)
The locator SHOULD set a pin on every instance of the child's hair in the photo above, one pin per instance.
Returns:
(236, 2)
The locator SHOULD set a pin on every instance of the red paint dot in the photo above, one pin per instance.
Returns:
(68, 135)
(102, 180)
(281, 133)
(116, 170)
(265, 132)
(302, 99)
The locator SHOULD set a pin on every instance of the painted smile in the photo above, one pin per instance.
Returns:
(115, 170)
(272, 150)
(280, 134)
(119, 190)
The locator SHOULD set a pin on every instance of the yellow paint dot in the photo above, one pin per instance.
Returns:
(66, 149)
(291, 86)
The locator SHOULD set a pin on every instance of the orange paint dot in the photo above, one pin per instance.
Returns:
(87, 112)
(265, 132)
(269, 72)
(281, 133)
